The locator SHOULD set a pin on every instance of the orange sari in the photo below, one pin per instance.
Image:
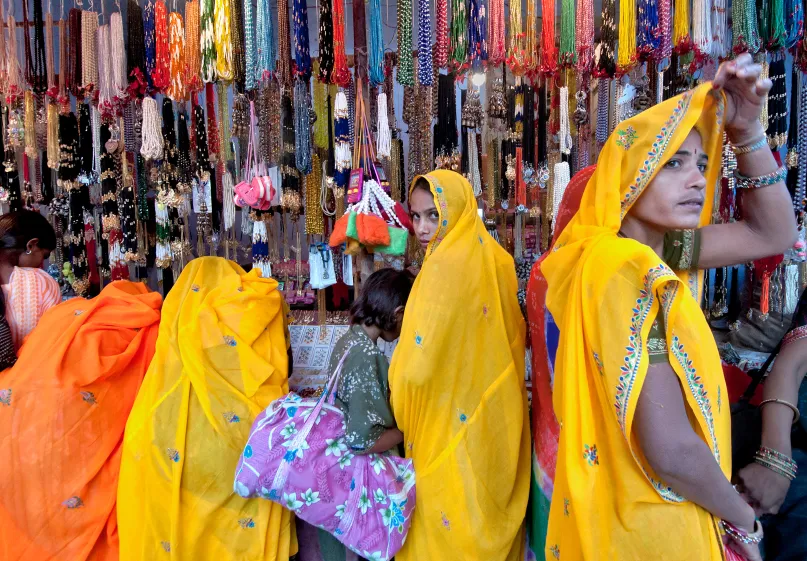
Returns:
(63, 408)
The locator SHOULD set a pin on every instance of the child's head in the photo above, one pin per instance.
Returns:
(26, 238)
(382, 301)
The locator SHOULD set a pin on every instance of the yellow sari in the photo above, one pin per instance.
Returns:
(603, 293)
(458, 393)
(220, 360)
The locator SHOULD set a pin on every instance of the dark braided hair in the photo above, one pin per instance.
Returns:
(382, 294)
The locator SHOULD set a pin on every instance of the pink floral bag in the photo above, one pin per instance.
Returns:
(296, 456)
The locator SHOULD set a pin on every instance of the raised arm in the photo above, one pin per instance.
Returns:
(768, 225)
(681, 458)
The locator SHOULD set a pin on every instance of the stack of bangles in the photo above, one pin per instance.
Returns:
(776, 462)
(766, 180)
(742, 536)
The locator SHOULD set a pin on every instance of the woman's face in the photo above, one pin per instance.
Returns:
(674, 199)
(424, 215)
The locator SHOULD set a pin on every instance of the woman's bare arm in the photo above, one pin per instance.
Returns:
(389, 439)
(678, 455)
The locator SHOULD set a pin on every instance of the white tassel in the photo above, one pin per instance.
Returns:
(473, 164)
(120, 81)
(564, 136)
(384, 139)
(559, 187)
(152, 147)
(792, 289)
(342, 153)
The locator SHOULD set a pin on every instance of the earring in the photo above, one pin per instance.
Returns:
(28, 252)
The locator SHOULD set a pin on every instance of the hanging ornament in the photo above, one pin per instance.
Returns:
(626, 55)
(606, 64)
(207, 43)
(459, 35)
(376, 48)
(567, 33)
(441, 51)
(176, 89)
(266, 42)
(548, 50)
(425, 67)
(193, 47)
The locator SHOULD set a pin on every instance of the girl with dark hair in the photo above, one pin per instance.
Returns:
(362, 392)
(26, 240)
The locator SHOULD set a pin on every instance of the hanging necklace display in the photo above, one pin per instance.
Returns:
(445, 131)
(222, 37)
(266, 41)
(584, 38)
(626, 55)
(237, 40)
(150, 41)
(161, 76)
(176, 90)
(702, 35)
(406, 76)
(376, 49)
(548, 50)
(472, 119)
(459, 36)
(496, 34)
(251, 56)
(111, 215)
(207, 44)
(302, 55)
(325, 42)
(284, 47)
(302, 128)
(441, 34)
(425, 72)
(777, 102)
(649, 38)
(343, 155)
(341, 74)
(794, 22)
(193, 50)
(566, 55)
(801, 180)
(744, 26)
(792, 157)
(35, 60)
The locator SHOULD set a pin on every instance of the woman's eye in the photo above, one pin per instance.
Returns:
(673, 164)
(702, 167)
(434, 215)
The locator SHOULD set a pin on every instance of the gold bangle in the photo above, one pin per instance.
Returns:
(795, 409)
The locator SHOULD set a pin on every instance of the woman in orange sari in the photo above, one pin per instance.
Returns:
(63, 409)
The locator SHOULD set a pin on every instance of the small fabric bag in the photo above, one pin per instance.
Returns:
(297, 456)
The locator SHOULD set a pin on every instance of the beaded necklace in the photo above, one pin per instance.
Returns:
(193, 50)
(682, 41)
(550, 53)
(477, 43)
(213, 140)
(376, 54)
(237, 38)
(425, 72)
(325, 43)
(222, 38)
(567, 33)
(321, 124)
(746, 31)
(777, 34)
(135, 35)
(117, 58)
(777, 103)
(406, 76)
(176, 90)
(459, 35)
(606, 66)
(314, 220)
(89, 51)
(702, 37)
(801, 179)
(150, 41)
(515, 53)
(250, 53)
(342, 152)
(226, 148)
(794, 22)
(720, 27)
(267, 51)
(496, 36)
(302, 128)
(207, 43)
(441, 17)
(161, 76)
(626, 55)
(792, 158)
(105, 96)
(284, 45)
(36, 63)
(302, 54)
(30, 124)
(649, 39)
(584, 38)
(3, 61)
(73, 69)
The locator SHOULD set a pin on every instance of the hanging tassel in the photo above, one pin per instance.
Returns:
(561, 181)
(384, 138)
(152, 146)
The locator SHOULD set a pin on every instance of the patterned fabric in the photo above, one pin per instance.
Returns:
(297, 456)
(29, 294)
(221, 360)
(63, 409)
(8, 355)
(458, 392)
(363, 390)
(601, 291)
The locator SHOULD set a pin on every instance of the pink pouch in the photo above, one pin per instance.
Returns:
(297, 456)
(246, 193)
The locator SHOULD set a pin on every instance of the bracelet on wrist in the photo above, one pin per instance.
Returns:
(776, 462)
(753, 146)
(741, 535)
(744, 182)
(796, 412)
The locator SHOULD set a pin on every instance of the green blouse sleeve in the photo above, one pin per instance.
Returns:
(364, 393)
(682, 249)
(657, 341)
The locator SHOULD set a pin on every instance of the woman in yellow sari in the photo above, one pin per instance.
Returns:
(457, 384)
(220, 360)
(644, 453)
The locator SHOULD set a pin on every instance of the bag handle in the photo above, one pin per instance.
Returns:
(251, 147)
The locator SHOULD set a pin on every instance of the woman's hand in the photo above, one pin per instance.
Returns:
(746, 93)
(765, 489)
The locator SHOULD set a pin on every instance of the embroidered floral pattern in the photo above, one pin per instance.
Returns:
(393, 516)
(246, 523)
(290, 501)
(172, 454)
(229, 341)
(719, 399)
(89, 398)
(195, 288)
(591, 456)
(663, 489)
(555, 551)
(598, 360)
(634, 348)
(626, 137)
(73, 502)
(231, 417)
(446, 522)
(5, 397)
(166, 546)
(656, 153)
(566, 504)
(698, 391)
